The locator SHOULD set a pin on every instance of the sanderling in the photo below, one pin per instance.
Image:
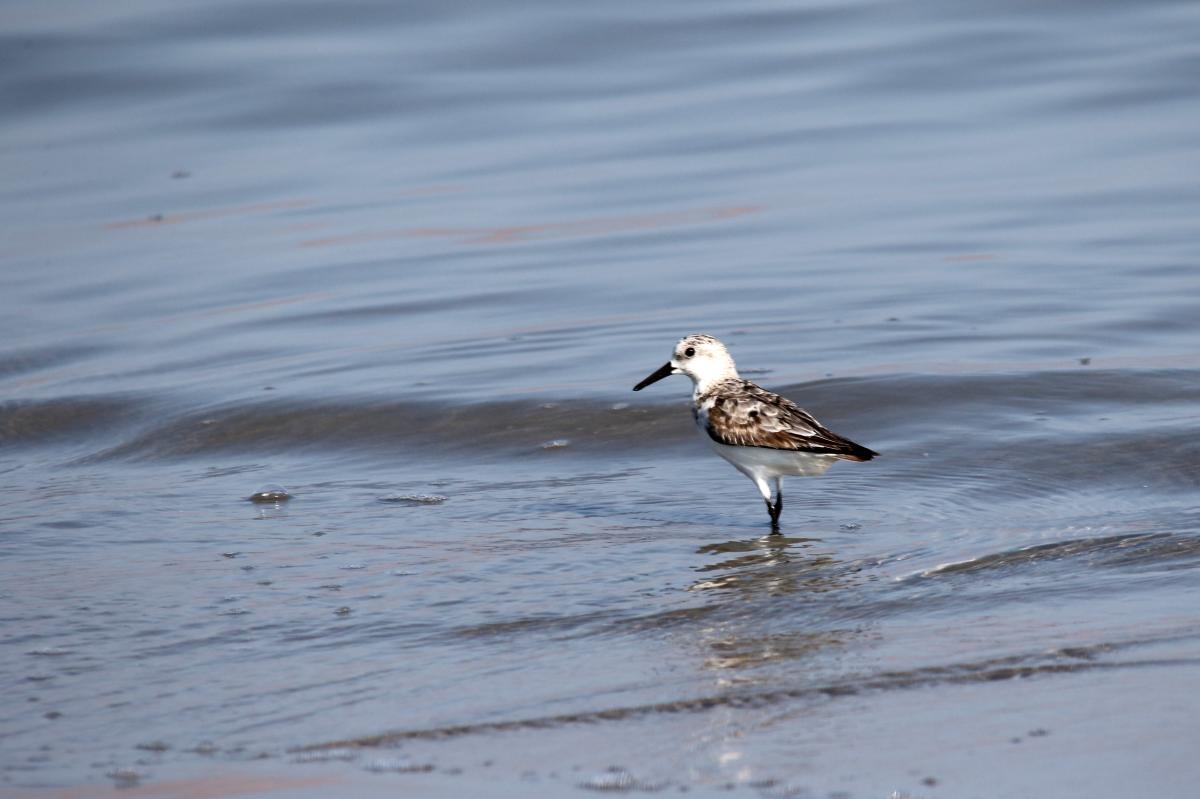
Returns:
(765, 436)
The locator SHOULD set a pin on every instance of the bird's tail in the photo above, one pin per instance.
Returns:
(857, 452)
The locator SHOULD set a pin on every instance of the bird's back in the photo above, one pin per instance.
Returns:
(739, 413)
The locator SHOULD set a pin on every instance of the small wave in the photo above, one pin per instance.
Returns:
(392, 426)
(1117, 550)
(1023, 666)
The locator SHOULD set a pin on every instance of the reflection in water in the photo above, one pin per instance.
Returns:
(770, 567)
(765, 565)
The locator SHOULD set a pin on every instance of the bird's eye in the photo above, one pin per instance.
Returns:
(689, 352)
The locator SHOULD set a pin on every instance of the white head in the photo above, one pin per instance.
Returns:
(700, 357)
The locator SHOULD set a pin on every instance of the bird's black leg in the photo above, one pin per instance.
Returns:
(774, 511)
(778, 502)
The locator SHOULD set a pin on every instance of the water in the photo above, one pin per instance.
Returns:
(404, 262)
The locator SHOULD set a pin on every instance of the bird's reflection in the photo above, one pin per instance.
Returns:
(762, 578)
(771, 564)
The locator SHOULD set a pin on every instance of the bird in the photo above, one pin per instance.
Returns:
(763, 435)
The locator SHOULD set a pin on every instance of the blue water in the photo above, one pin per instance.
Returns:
(376, 251)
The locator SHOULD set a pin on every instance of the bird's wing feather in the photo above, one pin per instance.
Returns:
(751, 416)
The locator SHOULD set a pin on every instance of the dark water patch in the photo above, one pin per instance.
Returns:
(399, 427)
(66, 524)
(30, 360)
(35, 422)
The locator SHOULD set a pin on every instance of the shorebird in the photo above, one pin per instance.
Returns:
(765, 436)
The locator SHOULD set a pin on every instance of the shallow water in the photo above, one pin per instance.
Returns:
(407, 262)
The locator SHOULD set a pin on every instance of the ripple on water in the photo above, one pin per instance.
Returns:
(396, 764)
(1146, 549)
(619, 780)
(414, 499)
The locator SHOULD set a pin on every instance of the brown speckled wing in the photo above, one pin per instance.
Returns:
(745, 415)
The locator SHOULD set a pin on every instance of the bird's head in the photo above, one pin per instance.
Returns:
(700, 357)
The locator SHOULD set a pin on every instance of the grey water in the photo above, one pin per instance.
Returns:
(406, 260)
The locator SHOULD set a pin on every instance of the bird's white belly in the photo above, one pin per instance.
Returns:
(761, 463)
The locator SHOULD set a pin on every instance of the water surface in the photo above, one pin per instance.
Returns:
(407, 262)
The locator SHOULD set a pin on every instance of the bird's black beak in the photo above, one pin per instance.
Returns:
(666, 370)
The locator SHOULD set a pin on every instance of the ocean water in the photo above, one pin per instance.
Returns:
(406, 261)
